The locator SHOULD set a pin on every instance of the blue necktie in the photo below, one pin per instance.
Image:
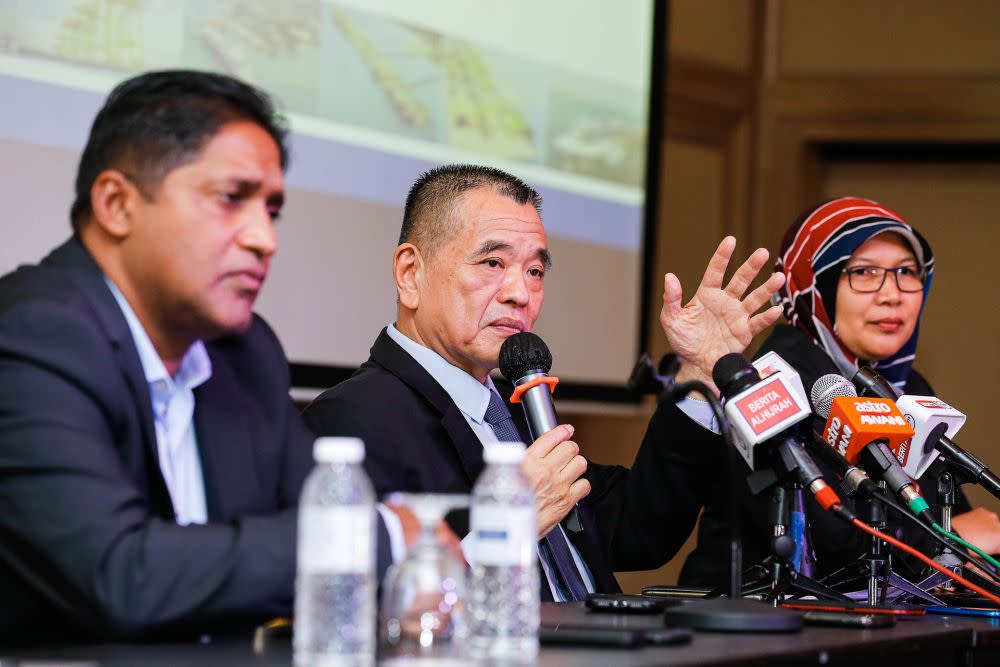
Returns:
(554, 545)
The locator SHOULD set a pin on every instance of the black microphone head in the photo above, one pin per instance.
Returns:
(872, 385)
(732, 374)
(524, 354)
(827, 388)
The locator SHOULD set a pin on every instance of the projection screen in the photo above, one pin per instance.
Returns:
(376, 92)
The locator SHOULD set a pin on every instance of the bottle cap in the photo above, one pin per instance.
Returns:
(504, 452)
(339, 450)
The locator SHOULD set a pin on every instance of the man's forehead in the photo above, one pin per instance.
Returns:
(241, 152)
(241, 142)
(506, 233)
(487, 218)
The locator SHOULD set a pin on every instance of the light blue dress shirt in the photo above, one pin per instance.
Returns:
(173, 416)
(472, 398)
(699, 412)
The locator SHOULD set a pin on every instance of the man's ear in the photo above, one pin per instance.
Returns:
(113, 200)
(408, 268)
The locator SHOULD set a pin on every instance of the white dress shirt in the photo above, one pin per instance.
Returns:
(472, 398)
(172, 399)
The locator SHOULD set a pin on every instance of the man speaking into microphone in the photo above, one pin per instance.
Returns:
(469, 273)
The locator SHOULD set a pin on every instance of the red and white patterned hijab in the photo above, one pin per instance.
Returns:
(812, 255)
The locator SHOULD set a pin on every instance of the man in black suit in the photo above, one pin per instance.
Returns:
(469, 272)
(151, 458)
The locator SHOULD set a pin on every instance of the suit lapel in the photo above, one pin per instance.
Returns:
(225, 445)
(585, 536)
(73, 256)
(587, 543)
(386, 353)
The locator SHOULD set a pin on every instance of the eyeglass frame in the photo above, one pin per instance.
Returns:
(919, 272)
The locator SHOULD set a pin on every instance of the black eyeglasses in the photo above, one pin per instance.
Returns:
(871, 278)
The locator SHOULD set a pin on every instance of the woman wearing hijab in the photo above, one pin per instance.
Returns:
(857, 277)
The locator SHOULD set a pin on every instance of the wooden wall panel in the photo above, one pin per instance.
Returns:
(715, 32)
(888, 38)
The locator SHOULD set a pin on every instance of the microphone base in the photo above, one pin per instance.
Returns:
(885, 587)
(725, 615)
(785, 581)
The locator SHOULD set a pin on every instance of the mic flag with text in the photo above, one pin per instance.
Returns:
(855, 422)
(764, 410)
(930, 418)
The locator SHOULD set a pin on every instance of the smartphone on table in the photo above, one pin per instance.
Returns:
(629, 604)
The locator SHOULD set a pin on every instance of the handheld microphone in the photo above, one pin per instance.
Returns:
(870, 383)
(525, 361)
(765, 411)
(868, 431)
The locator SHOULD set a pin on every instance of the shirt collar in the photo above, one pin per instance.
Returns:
(471, 396)
(195, 367)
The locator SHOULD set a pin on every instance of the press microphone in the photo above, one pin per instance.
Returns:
(869, 432)
(765, 413)
(525, 361)
(935, 423)
(855, 479)
(932, 420)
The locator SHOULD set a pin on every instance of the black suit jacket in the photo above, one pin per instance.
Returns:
(88, 543)
(417, 440)
(836, 544)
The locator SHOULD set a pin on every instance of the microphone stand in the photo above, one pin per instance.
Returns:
(947, 485)
(735, 613)
(781, 578)
(874, 568)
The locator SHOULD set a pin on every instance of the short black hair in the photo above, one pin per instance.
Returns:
(428, 217)
(157, 121)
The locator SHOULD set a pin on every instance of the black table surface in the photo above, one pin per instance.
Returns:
(931, 639)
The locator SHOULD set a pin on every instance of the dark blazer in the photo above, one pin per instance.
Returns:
(417, 440)
(88, 543)
(836, 544)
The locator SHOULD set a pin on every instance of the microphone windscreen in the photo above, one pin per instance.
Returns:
(827, 388)
(732, 374)
(523, 354)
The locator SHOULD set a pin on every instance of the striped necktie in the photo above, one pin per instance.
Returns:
(554, 546)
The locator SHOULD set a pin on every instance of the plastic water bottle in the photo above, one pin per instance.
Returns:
(335, 583)
(504, 604)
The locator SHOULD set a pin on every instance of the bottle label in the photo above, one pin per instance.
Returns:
(504, 535)
(336, 539)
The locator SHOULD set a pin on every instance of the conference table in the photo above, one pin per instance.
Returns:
(926, 640)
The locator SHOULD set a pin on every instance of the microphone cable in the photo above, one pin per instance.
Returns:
(968, 545)
(988, 567)
(847, 516)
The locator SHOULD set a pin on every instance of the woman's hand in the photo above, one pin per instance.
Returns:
(981, 527)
